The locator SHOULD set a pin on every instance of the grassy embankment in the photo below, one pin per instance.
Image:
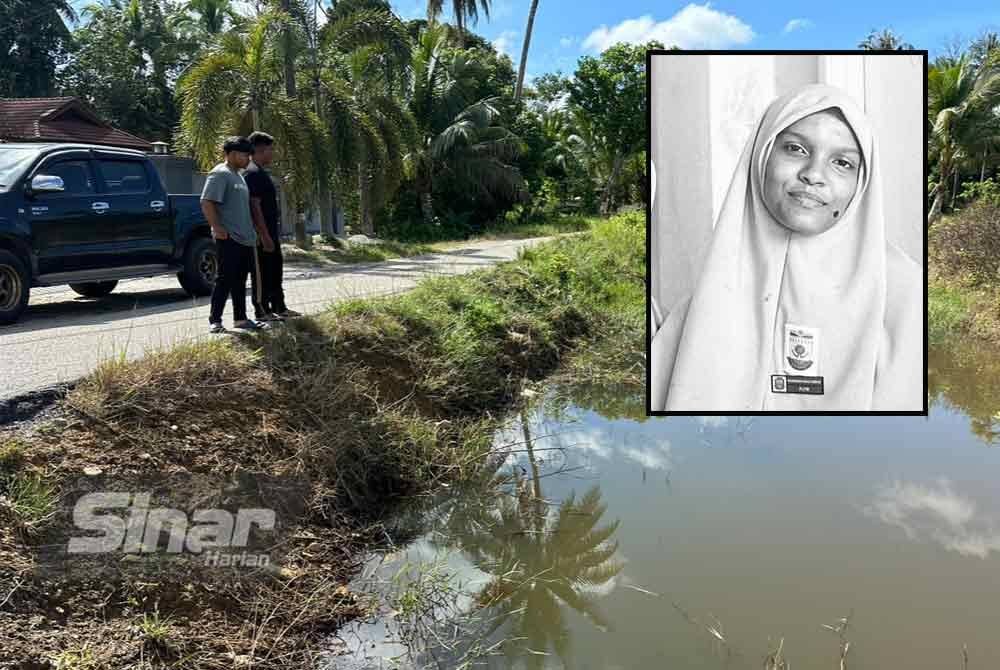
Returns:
(333, 422)
(964, 275)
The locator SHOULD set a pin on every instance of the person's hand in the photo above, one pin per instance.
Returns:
(267, 243)
(219, 233)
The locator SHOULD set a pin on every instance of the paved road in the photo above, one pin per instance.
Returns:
(62, 337)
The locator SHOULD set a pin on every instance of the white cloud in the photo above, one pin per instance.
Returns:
(650, 459)
(506, 42)
(798, 24)
(694, 27)
(938, 514)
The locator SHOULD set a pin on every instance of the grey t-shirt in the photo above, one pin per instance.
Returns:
(228, 188)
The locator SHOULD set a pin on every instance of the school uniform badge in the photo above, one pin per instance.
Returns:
(801, 348)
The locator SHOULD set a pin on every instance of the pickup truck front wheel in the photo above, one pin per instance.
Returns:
(201, 267)
(94, 289)
(13, 287)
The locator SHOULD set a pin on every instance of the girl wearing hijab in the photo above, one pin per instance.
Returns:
(802, 305)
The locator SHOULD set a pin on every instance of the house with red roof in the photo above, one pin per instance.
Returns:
(65, 119)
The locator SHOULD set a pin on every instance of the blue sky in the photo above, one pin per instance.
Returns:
(566, 30)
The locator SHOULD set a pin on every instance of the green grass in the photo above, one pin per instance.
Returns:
(31, 498)
(154, 627)
(76, 659)
(947, 312)
(11, 455)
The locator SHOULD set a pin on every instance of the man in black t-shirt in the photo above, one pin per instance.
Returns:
(268, 297)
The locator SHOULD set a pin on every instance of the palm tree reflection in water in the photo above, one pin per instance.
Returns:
(541, 558)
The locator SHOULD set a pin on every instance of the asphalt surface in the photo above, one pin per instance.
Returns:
(62, 337)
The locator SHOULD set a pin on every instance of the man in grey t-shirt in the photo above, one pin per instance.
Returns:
(225, 201)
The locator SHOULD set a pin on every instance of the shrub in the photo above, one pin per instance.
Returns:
(967, 246)
(986, 190)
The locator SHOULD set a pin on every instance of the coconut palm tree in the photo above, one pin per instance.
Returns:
(524, 51)
(206, 17)
(886, 39)
(366, 72)
(542, 560)
(237, 86)
(542, 563)
(961, 99)
(464, 12)
(461, 139)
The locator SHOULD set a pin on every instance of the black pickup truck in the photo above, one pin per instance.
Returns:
(89, 216)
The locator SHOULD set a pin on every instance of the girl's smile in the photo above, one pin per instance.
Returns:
(812, 172)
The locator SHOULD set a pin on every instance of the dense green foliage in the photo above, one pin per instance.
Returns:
(406, 127)
(33, 38)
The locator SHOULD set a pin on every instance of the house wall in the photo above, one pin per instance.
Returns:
(178, 174)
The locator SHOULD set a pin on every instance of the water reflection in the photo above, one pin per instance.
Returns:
(739, 532)
(542, 557)
(936, 512)
(966, 375)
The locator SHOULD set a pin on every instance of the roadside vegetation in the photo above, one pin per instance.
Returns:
(963, 88)
(413, 130)
(335, 422)
(964, 289)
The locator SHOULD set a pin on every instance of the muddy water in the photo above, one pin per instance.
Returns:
(698, 542)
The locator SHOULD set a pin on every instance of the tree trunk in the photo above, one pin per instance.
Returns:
(609, 188)
(364, 204)
(290, 213)
(286, 6)
(954, 190)
(524, 52)
(302, 238)
(427, 207)
(536, 479)
(941, 190)
(326, 219)
(982, 170)
(935, 212)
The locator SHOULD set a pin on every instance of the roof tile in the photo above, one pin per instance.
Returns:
(22, 119)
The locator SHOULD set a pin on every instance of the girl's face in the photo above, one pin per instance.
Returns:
(812, 173)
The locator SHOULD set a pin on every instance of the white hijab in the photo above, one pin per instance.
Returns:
(718, 350)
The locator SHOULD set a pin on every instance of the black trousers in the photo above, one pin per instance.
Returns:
(236, 261)
(268, 297)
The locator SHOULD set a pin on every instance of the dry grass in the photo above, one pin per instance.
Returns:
(333, 422)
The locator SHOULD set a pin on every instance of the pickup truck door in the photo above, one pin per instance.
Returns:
(139, 208)
(70, 230)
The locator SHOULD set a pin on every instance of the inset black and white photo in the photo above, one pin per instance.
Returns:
(787, 239)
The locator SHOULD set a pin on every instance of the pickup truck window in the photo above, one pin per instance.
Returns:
(13, 162)
(76, 176)
(124, 176)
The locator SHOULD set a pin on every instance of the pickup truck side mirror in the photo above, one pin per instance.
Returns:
(43, 183)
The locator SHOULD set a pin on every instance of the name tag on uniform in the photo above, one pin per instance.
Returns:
(797, 384)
